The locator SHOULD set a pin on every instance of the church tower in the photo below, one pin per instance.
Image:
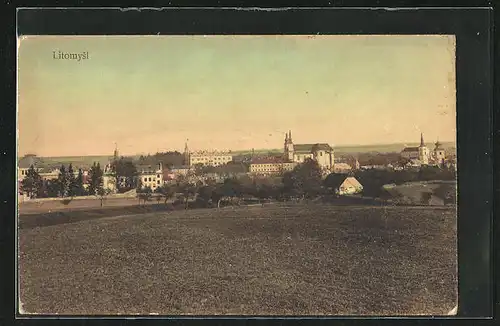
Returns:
(288, 147)
(423, 151)
(115, 154)
(186, 153)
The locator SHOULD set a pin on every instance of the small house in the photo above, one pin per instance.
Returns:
(343, 184)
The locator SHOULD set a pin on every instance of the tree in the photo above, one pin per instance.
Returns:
(95, 182)
(145, 194)
(217, 194)
(124, 171)
(72, 182)
(139, 185)
(77, 188)
(232, 188)
(188, 191)
(52, 188)
(167, 191)
(32, 183)
(102, 193)
(63, 180)
(305, 180)
(264, 192)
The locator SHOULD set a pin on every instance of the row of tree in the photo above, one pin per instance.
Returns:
(68, 183)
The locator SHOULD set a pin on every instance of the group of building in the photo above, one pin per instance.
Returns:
(154, 176)
(421, 155)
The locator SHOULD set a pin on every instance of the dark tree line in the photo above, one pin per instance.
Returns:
(67, 184)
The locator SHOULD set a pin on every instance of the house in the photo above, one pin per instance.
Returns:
(151, 175)
(343, 185)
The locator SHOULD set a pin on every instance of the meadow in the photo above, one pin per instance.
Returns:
(281, 259)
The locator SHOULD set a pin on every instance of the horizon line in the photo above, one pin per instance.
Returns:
(236, 150)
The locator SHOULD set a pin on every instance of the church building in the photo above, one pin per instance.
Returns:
(298, 153)
(423, 155)
(293, 155)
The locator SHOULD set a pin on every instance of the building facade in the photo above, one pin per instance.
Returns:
(150, 176)
(206, 158)
(298, 153)
(270, 166)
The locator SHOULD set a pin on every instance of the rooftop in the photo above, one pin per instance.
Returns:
(309, 148)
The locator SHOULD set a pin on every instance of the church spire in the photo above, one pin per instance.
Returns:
(115, 154)
(186, 153)
(422, 144)
(290, 135)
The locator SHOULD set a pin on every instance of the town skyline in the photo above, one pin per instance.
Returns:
(232, 92)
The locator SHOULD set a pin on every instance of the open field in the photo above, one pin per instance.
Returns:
(33, 207)
(274, 260)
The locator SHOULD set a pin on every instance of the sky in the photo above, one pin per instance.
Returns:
(149, 94)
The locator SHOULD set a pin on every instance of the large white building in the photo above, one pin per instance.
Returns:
(270, 165)
(209, 158)
(295, 154)
(298, 153)
(150, 176)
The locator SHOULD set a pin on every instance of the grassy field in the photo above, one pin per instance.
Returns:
(275, 260)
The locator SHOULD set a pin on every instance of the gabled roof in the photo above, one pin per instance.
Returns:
(147, 168)
(336, 180)
(352, 181)
(309, 148)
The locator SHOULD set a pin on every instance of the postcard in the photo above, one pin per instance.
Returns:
(257, 175)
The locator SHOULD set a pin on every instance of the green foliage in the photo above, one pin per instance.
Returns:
(73, 187)
(125, 172)
(77, 188)
(428, 173)
(96, 181)
(166, 192)
(52, 188)
(64, 182)
(205, 194)
(145, 194)
(304, 181)
(32, 183)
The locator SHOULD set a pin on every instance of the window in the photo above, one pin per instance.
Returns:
(158, 175)
(320, 153)
(145, 179)
(158, 182)
(149, 178)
